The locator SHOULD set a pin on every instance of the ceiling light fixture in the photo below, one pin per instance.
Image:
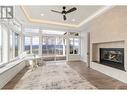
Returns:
(42, 14)
(73, 20)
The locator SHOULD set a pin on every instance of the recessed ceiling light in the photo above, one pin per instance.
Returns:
(73, 20)
(42, 14)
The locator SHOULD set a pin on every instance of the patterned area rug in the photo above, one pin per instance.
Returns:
(53, 76)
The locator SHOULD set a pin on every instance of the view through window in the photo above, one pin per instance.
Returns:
(74, 45)
(54, 44)
(27, 44)
(35, 45)
(16, 44)
(11, 45)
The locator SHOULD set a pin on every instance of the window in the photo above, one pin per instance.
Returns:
(59, 46)
(16, 44)
(35, 45)
(11, 45)
(44, 45)
(74, 45)
(53, 46)
(71, 45)
(31, 44)
(27, 44)
(0, 44)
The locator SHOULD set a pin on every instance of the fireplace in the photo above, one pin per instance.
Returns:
(113, 57)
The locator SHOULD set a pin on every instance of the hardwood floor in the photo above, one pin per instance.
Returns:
(99, 80)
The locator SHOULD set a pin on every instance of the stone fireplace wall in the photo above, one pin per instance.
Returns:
(109, 30)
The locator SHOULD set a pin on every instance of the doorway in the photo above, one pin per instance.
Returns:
(53, 48)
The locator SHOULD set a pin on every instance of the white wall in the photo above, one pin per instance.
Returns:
(112, 72)
(7, 75)
(84, 46)
(74, 57)
(109, 30)
(5, 44)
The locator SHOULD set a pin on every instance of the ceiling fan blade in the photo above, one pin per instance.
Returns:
(71, 10)
(56, 11)
(64, 17)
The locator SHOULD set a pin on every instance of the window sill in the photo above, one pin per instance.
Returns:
(6, 66)
(12, 60)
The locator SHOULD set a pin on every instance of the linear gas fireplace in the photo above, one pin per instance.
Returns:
(113, 57)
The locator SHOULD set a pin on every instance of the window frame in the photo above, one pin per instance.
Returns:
(29, 44)
(10, 30)
(1, 43)
(32, 44)
(73, 45)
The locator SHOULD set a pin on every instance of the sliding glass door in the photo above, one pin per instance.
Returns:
(60, 48)
(53, 48)
(48, 48)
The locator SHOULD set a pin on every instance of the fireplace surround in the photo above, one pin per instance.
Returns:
(113, 57)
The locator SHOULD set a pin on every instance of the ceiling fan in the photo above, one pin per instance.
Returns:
(64, 12)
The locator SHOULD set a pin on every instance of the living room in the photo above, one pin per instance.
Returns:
(63, 47)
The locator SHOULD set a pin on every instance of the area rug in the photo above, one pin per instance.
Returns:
(53, 76)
